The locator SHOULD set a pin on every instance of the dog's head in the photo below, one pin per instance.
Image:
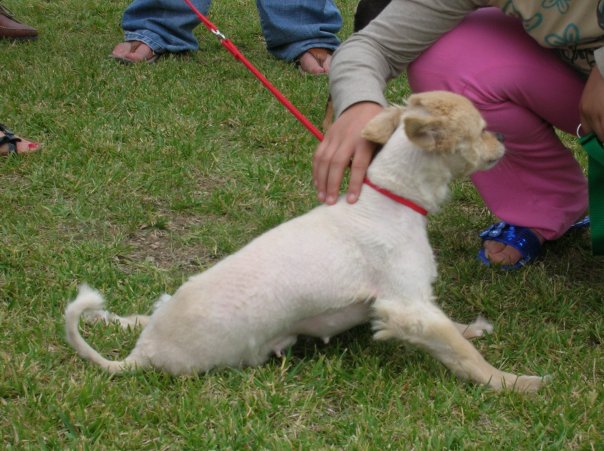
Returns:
(444, 124)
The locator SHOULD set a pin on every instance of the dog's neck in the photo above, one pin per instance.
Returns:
(411, 172)
(396, 198)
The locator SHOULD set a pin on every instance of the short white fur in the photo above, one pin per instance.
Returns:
(331, 269)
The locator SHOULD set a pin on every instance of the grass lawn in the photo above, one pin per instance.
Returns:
(151, 173)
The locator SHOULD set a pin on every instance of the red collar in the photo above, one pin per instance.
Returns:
(396, 198)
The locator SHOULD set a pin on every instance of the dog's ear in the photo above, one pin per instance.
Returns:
(380, 128)
(424, 131)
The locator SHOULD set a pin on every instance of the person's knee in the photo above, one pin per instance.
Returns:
(423, 76)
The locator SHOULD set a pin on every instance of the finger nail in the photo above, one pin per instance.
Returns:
(321, 197)
(33, 146)
(331, 200)
(351, 198)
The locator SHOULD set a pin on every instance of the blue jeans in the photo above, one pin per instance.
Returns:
(290, 27)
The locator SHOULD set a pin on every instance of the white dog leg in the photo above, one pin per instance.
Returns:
(426, 326)
(125, 322)
(95, 316)
(282, 343)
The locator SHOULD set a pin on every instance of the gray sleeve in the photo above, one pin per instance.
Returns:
(365, 62)
(599, 56)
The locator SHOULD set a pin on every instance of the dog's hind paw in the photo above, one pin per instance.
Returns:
(95, 316)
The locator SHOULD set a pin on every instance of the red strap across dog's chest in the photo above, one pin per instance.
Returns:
(396, 198)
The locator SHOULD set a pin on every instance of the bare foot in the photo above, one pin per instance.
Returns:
(315, 61)
(14, 144)
(502, 254)
(133, 52)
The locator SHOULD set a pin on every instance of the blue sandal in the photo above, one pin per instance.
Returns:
(520, 238)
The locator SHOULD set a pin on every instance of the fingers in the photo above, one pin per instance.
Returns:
(358, 170)
(329, 164)
(342, 147)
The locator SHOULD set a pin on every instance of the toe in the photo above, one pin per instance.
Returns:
(24, 146)
(315, 61)
(140, 52)
(122, 49)
(310, 65)
(501, 254)
(27, 146)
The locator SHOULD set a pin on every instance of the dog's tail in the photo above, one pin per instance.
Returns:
(90, 300)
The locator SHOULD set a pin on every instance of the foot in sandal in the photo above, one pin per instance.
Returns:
(315, 61)
(134, 52)
(11, 144)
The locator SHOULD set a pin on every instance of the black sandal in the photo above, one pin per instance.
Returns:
(10, 139)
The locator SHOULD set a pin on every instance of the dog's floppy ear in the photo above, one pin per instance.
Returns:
(424, 131)
(380, 128)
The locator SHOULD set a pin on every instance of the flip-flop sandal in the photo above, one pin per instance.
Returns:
(523, 239)
(150, 58)
(320, 54)
(11, 140)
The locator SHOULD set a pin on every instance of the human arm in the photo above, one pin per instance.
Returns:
(360, 70)
(591, 106)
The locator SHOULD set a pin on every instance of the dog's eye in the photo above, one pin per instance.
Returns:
(498, 136)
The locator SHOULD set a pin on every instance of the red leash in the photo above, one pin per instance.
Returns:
(226, 43)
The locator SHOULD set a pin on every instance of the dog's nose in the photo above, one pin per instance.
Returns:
(500, 137)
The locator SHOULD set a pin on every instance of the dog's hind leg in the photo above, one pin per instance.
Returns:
(125, 322)
(95, 316)
(426, 326)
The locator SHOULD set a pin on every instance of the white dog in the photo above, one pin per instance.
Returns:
(334, 267)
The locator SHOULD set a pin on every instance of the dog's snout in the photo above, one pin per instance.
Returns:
(500, 137)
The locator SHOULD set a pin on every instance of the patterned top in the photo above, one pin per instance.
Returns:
(575, 28)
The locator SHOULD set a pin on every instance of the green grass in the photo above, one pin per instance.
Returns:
(152, 173)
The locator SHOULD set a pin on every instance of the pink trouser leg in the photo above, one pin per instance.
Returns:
(523, 91)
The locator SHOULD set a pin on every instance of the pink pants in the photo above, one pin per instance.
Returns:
(523, 91)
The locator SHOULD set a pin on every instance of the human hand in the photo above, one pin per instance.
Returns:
(591, 106)
(343, 146)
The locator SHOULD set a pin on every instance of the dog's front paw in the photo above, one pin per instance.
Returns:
(478, 328)
(530, 384)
